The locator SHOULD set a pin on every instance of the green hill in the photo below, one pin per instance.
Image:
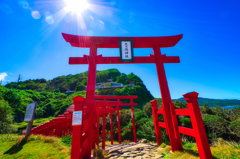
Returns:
(215, 102)
(52, 103)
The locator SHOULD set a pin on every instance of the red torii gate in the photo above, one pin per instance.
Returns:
(138, 42)
(103, 107)
(116, 104)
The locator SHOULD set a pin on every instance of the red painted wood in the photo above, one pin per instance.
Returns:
(111, 128)
(182, 112)
(76, 152)
(156, 121)
(90, 96)
(133, 121)
(98, 128)
(176, 143)
(159, 111)
(175, 122)
(118, 122)
(128, 104)
(113, 42)
(115, 97)
(198, 126)
(116, 60)
(186, 131)
(104, 124)
(161, 124)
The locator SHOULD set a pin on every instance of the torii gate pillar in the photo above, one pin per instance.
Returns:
(174, 135)
(90, 96)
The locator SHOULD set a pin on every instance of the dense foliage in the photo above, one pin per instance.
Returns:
(6, 118)
(49, 104)
(49, 98)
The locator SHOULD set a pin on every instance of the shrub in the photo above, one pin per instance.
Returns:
(67, 140)
(206, 110)
(6, 118)
(215, 125)
(235, 126)
(80, 87)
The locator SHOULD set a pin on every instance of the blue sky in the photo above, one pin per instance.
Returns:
(32, 44)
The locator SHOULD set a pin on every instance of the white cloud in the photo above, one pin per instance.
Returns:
(2, 76)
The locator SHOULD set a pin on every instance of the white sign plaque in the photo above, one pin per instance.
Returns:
(77, 118)
(126, 50)
(30, 112)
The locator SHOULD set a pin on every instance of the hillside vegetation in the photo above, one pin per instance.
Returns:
(52, 103)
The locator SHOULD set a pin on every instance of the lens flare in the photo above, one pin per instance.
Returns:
(49, 19)
(36, 15)
(76, 6)
(24, 4)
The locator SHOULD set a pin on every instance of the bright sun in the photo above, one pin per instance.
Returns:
(76, 6)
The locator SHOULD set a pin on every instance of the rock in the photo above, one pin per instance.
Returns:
(112, 154)
(132, 155)
(143, 141)
(113, 151)
(125, 154)
(157, 157)
(146, 156)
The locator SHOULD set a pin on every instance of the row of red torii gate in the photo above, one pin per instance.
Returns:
(82, 118)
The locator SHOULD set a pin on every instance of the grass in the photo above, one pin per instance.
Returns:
(23, 125)
(13, 146)
(220, 149)
(38, 147)
(107, 143)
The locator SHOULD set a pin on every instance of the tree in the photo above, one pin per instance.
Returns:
(6, 118)
(80, 87)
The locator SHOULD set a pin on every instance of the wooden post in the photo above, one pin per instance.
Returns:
(90, 96)
(156, 122)
(104, 124)
(98, 125)
(29, 117)
(133, 121)
(176, 143)
(118, 121)
(198, 126)
(76, 149)
(111, 126)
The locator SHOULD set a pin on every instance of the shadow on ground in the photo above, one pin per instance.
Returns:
(195, 153)
(17, 147)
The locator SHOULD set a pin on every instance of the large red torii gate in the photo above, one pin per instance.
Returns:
(138, 42)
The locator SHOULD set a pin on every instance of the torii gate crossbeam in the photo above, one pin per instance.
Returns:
(138, 42)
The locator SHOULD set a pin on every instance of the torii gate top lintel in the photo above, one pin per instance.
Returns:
(113, 42)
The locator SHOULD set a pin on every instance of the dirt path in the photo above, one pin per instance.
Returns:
(133, 151)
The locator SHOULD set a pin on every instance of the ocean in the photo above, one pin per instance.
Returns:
(230, 107)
